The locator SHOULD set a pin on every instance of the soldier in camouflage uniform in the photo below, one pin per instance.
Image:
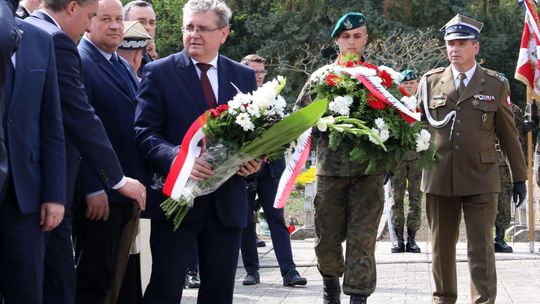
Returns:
(407, 177)
(502, 221)
(348, 203)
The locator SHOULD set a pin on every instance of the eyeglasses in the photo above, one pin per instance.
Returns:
(199, 30)
(261, 72)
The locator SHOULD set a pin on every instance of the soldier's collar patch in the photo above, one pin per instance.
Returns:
(475, 103)
(439, 97)
(484, 97)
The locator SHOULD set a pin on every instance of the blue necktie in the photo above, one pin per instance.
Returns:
(122, 71)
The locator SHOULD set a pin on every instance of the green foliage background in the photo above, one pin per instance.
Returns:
(294, 35)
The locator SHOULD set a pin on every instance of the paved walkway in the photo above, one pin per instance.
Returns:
(402, 278)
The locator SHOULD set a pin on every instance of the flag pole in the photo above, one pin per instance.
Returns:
(529, 175)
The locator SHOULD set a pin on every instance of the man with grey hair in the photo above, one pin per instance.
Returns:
(174, 91)
(65, 21)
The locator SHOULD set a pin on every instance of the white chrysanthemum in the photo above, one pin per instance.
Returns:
(396, 76)
(279, 105)
(323, 123)
(422, 140)
(254, 110)
(244, 121)
(383, 135)
(379, 122)
(238, 102)
(341, 105)
(409, 102)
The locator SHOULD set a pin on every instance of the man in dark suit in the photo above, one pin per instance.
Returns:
(110, 86)
(266, 184)
(36, 190)
(66, 21)
(170, 98)
(9, 38)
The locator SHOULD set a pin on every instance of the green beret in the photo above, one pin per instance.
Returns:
(409, 75)
(349, 21)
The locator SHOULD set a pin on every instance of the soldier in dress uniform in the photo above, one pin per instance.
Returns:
(348, 203)
(467, 110)
(407, 176)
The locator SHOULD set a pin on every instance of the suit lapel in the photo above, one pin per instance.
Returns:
(189, 77)
(107, 67)
(21, 68)
(226, 91)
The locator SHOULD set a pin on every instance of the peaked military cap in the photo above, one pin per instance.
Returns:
(408, 75)
(349, 21)
(135, 36)
(462, 27)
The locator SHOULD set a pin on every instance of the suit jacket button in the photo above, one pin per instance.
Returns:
(10, 120)
(456, 147)
(458, 108)
(458, 134)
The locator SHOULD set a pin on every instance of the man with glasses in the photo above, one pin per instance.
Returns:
(143, 12)
(175, 91)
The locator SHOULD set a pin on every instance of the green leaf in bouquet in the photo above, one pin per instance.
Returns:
(287, 130)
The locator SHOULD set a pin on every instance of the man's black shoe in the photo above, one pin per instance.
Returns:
(260, 243)
(252, 278)
(192, 279)
(411, 243)
(398, 247)
(293, 278)
(358, 299)
(501, 246)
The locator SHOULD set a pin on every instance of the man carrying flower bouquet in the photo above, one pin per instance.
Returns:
(174, 92)
(467, 108)
(348, 202)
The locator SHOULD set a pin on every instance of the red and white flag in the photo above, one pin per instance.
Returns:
(527, 70)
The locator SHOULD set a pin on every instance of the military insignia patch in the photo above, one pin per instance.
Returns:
(475, 103)
(348, 24)
(484, 97)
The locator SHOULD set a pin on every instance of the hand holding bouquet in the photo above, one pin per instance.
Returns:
(250, 126)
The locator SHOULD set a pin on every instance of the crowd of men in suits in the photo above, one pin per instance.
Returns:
(88, 129)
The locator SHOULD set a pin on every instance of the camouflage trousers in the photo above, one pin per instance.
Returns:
(407, 171)
(348, 209)
(505, 197)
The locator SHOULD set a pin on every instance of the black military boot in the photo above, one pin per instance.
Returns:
(499, 244)
(411, 244)
(331, 290)
(358, 299)
(399, 245)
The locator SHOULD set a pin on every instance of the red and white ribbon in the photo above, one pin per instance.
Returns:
(185, 159)
(293, 169)
(380, 92)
